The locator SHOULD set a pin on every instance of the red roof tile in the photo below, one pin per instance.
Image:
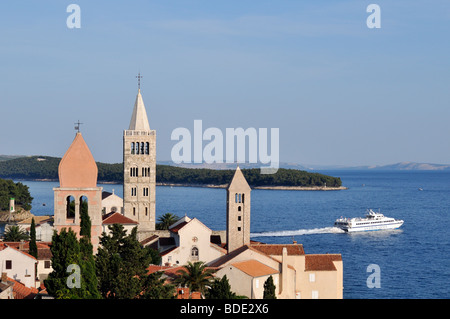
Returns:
(321, 262)
(117, 218)
(254, 268)
(22, 292)
(277, 249)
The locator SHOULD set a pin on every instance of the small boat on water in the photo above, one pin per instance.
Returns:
(372, 221)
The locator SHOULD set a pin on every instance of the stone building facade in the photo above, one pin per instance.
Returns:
(139, 166)
(238, 211)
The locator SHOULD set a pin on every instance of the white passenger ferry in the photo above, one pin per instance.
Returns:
(372, 221)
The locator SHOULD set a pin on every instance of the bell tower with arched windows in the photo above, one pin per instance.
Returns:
(139, 168)
(78, 191)
(238, 212)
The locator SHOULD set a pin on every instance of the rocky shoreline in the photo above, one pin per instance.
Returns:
(15, 217)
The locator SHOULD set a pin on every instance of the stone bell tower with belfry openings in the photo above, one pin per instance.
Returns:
(139, 167)
(238, 212)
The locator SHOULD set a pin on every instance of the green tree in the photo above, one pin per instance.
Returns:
(195, 276)
(65, 251)
(220, 289)
(73, 275)
(33, 251)
(15, 233)
(269, 289)
(87, 261)
(166, 220)
(122, 263)
(155, 288)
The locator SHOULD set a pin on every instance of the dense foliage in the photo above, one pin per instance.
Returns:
(43, 167)
(73, 263)
(18, 191)
(121, 265)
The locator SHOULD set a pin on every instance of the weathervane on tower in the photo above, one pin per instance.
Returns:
(139, 77)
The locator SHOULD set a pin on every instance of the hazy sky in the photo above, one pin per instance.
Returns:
(339, 92)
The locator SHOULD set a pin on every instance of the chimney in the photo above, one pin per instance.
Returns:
(21, 245)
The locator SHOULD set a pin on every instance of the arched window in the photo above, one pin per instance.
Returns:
(142, 148)
(240, 198)
(236, 198)
(137, 147)
(147, 148)
(132, 147)
(194, 253)
(84, 205)
(239, 208)
(70, 207)
(243, 198)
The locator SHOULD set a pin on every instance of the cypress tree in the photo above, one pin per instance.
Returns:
(269, 289)
(65, 252)
(87, 261)
(33, 246)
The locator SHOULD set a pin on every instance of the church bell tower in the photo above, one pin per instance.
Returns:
(238, 212)
(139, 168)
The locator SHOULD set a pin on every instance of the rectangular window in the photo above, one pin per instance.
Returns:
(314, 294)
(312, 277)
(239, 218)
(8, 264)
(47, 264)
(239, 228)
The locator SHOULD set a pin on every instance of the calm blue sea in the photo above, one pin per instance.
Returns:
(413, 260)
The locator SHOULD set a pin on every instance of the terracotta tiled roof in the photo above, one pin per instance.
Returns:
(22, 292)
(154, 268)
(322, 262)
(117, 218)
(178, 227)
(13, 246)
(224, 259)
(254, 268)
(149, 239)
(277, 249)
(44, 252)
(165, 252)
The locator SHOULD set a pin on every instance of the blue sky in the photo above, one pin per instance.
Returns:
(339, 92)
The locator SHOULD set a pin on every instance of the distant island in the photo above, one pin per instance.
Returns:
(45, 168)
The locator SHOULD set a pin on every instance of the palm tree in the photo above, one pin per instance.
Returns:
(166, 220)
(15, 233)
(195, 276)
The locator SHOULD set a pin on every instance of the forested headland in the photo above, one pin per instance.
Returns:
(18, 191)
(46, 168)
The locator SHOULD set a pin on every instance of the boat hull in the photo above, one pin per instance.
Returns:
(354, 229)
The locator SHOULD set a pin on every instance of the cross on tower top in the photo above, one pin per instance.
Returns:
(139, 77)
(77, 126)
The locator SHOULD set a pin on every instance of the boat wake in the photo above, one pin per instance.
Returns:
(299, 232)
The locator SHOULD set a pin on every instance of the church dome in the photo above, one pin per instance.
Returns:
(78, 168)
